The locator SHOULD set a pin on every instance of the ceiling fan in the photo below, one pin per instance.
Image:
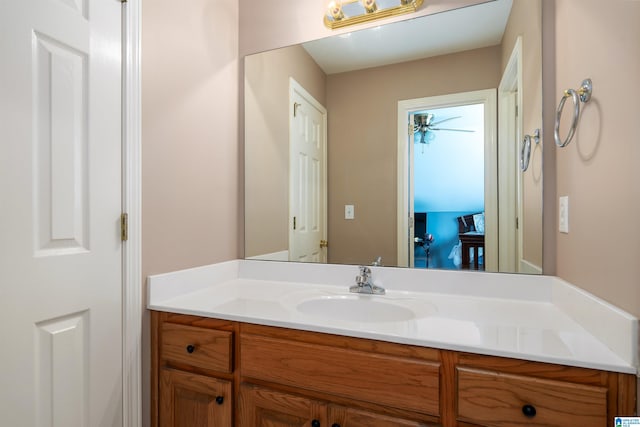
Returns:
(426, 125)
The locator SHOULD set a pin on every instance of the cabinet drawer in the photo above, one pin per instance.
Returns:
(492, 398)
(400, 382)
(199, 347)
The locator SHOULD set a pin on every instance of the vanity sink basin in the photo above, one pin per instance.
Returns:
(355, 309)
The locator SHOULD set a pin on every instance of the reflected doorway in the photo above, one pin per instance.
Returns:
(408, 150)
(448, 184)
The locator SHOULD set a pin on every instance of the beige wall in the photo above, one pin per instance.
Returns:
(600, 169)
(362, 143)
(189, 134)
(267, 142)
(525, 20)
(190, 169)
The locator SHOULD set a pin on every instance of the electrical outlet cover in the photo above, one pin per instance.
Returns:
(563, 214)
(349, 212)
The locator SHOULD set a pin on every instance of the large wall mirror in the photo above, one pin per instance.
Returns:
(401, 144)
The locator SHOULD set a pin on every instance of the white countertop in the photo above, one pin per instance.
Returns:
(536, 318)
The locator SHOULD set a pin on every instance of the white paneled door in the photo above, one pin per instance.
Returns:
(308, 177)
(60, 200)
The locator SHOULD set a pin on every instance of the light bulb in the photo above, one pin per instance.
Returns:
(369, 5)
(335, 10)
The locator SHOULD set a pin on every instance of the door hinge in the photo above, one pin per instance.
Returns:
(295, 108)
(294, 222)
(324, 244)
(124, 227)
(409, 128)
(123, 1)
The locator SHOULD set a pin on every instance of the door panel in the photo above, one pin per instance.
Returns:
(60, 189)
(60, 142)
(262, 407)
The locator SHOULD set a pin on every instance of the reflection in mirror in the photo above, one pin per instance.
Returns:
(322, 140)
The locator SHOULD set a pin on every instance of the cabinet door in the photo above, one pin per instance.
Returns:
(262, 407)
(349, 417)
(191, 400)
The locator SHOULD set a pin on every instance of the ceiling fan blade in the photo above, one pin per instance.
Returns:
(454, 130)
(445, 120)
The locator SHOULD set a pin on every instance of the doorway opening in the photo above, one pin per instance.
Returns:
(431, 162)
(448, 183)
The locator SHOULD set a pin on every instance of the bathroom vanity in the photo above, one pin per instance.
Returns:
(252, 344)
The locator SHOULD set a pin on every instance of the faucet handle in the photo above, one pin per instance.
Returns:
(364, 276)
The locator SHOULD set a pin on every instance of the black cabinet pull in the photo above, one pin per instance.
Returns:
(315, 423)
(219, 400)
(191, 348)
(335, 425)
(529, 411)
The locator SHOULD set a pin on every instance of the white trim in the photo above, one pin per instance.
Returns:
(510, 176)
(411, 217)
(273, 256)
(405, 107)
(529, 268)
(132, 306)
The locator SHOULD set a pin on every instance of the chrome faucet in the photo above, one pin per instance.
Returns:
(364, 285)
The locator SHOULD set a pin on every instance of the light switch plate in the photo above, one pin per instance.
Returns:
(349, 212)
(563, 214)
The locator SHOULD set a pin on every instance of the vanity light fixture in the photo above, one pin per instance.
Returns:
(341, 13)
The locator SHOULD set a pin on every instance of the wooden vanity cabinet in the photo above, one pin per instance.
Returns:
(261, 406)
(209, 372)
(192, 371)
(328, 380)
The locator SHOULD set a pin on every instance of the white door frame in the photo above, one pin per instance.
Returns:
(510, 177)
(132, 304)
(405, 153)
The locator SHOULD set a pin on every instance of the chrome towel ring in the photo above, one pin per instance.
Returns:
(525, 150)
(583, 94)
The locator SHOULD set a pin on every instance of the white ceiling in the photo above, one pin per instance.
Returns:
(453, 31)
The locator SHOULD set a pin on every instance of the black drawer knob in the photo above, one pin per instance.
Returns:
(529, 411)
(315, 423)
(191, 348)
(335, 425)
(219, 400)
